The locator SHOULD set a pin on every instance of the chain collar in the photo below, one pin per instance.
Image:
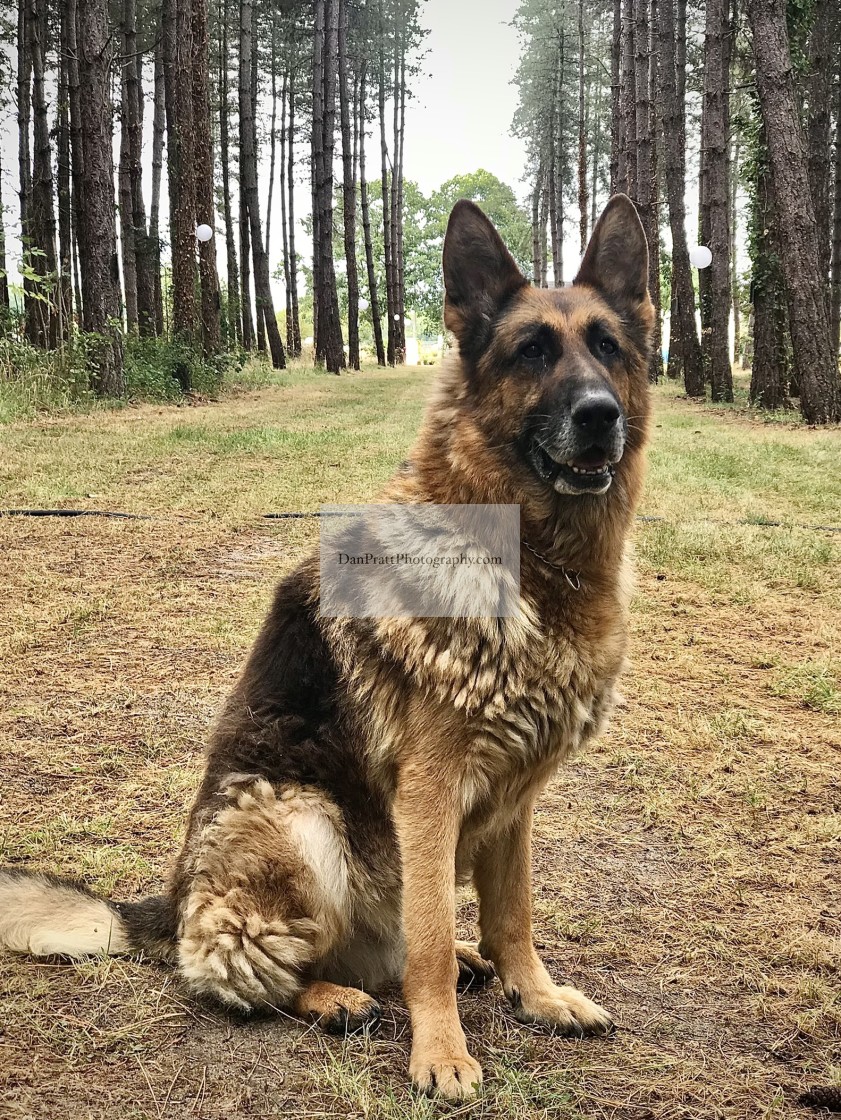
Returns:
(573, 578)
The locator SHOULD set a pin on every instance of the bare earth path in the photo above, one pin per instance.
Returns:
(687, 867)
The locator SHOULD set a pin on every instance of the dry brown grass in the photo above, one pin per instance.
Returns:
(687, 868)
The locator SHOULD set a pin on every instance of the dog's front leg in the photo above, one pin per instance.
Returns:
(427, 817)
(503, 879)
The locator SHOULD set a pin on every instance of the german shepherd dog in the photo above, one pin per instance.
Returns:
(364, 767)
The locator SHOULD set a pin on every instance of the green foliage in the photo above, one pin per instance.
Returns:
(155, 368)
(424, 225)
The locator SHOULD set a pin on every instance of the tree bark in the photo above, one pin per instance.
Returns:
(835, 313)
(64, 301)
(178, 50)
(628, 154)
(290, 188)
(97, 231)
(672, 113)
(715, 142)
(128, 96)
(204, 179)
(582, 137)
(349, 191)
(824, 45)
(42, 318)
(814, 356)
(617, 122)
(248, 187)
(389, 256)
(4, 275)
(234, 321)
(158, 132)
(769, 372)
(373, 295)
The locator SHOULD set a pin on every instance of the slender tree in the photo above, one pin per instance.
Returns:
(815, 360)
(248, 189)
(373, 294)
(205, 214)
(97, 231)
(715, 142)
(349, 190)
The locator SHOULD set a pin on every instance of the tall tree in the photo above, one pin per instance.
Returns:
(234, 322)
(329, 347)
(373, 293)
(715, 172)
(211, 326)
(97, 231)
(248, 188)
(814, 356)
(349, 190)
(672, 114)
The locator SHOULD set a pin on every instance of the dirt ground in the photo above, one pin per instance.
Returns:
(687, 867)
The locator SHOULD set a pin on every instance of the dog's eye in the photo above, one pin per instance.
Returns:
(532, 352)
(608, 347)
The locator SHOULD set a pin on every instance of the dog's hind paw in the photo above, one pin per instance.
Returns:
(474, 970)
(564, 1010)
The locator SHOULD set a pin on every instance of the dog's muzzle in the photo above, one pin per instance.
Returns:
(577, 453)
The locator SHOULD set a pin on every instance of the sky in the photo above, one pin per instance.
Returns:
(460, 117)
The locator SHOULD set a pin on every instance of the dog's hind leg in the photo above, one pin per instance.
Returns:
(266, 894)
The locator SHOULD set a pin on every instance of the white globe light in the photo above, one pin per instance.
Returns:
(363, 305)
(204, 232)
(700, 256)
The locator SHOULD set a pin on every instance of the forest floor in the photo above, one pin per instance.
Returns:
(687, 866)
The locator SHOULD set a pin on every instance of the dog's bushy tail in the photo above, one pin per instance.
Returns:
(46, 916)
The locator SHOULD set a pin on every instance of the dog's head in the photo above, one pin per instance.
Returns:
(560, 374)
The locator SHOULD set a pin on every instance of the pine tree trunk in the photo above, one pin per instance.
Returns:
(245, 111)
(272, 139)
(734, 230)
(178, 51)
(373, 296)
(617, 120)
(328, 337)
(552, 183)
(544, 213)
(295, 349)
(64, 196)
(42, 320)
(824, 47)
(349, 192)
(158, 132)
(814, 356)
(284, 216)
(399, 258)
(656, 363)
(535, 223)
(234, 321)
(715, 129)
(97, 232)
(686, 355)
(387, 249)
(24, 115)
(248, 187)
(628, 153)
(769, 373)
(204, 179)
(76, 171)
(644, 178)
(835, 314)
(127, 94)
(582, 137)
(4, 276)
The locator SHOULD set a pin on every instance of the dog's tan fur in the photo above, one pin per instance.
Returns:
(365, 767)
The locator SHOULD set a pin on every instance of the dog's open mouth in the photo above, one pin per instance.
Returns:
(589, 471)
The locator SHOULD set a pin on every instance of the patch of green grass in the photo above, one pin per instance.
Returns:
(813, 684)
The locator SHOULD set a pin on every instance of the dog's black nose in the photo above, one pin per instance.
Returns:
(596, 413)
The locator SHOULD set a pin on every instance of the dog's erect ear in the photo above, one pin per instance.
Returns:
(479, 275)
(616, 261)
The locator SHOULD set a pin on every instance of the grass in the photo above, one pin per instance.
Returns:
(686, 866)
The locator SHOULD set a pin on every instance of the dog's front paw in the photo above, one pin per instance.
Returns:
(454, 1076)
(564, 1010)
